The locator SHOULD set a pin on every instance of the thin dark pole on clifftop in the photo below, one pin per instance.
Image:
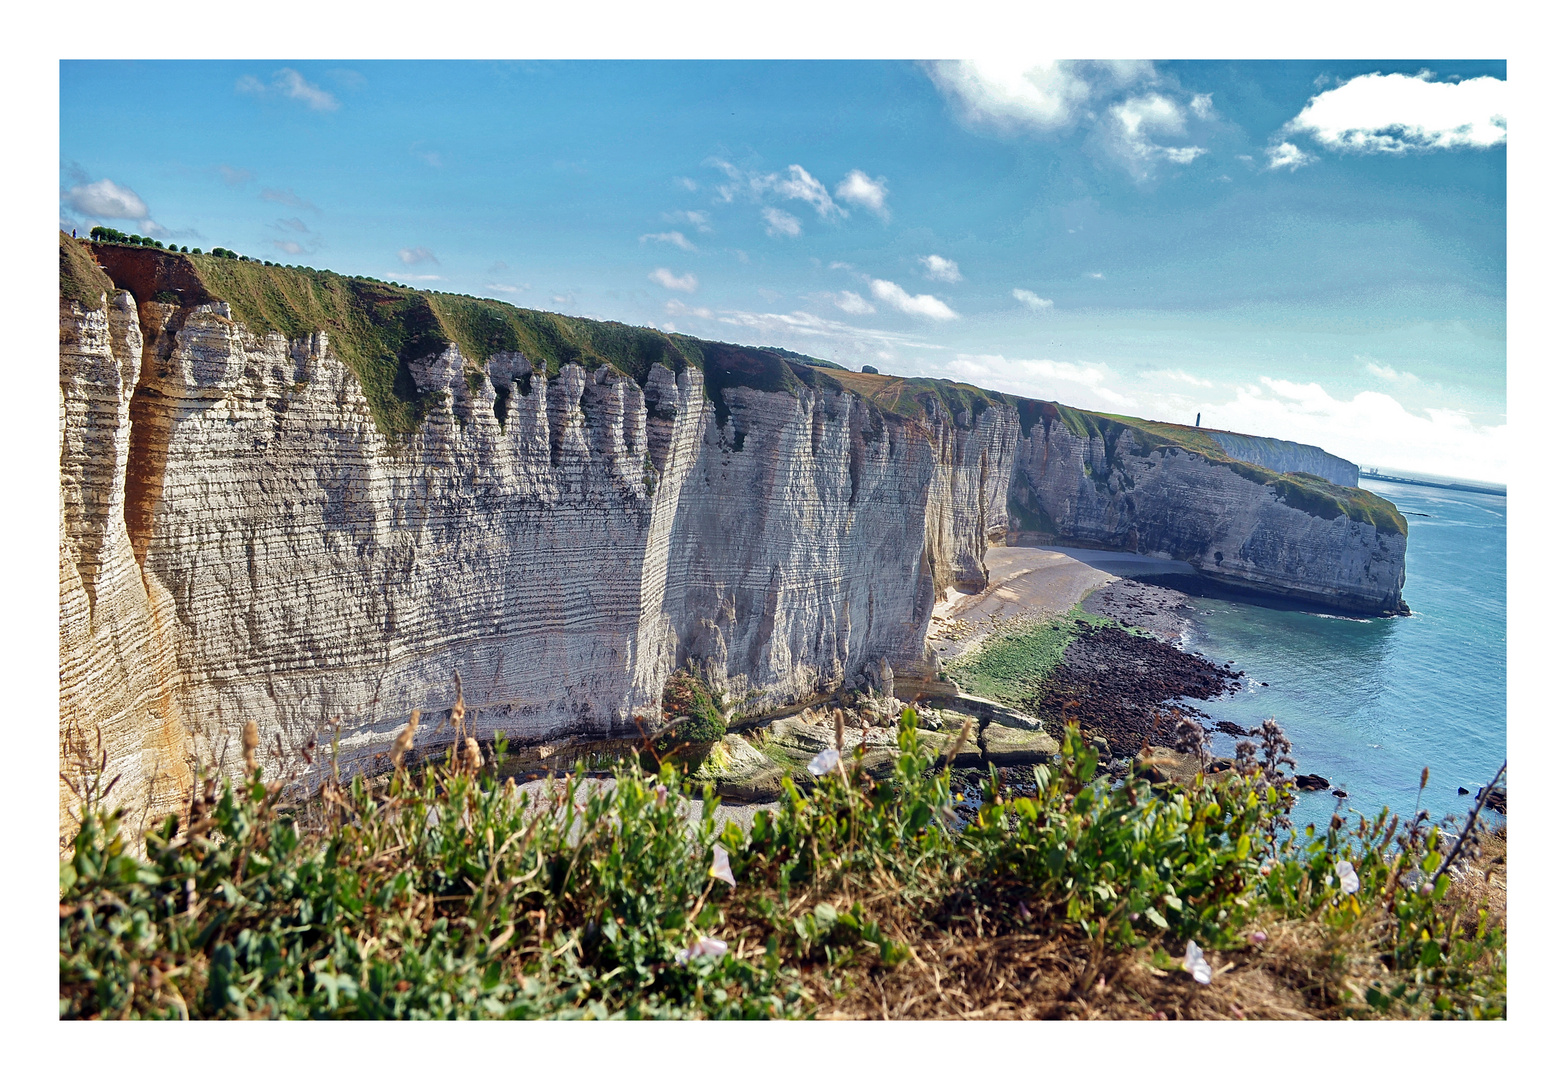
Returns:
(1198, 419)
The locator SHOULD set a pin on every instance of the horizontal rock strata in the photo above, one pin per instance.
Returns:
(244, 536)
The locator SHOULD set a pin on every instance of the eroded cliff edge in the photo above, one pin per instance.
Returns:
(295, 497)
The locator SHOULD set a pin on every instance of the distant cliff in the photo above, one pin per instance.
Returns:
(301, 498)
(1287, 457)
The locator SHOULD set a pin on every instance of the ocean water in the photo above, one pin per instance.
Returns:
(1371, 702)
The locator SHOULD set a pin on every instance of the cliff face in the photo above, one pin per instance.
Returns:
(240, 541)
(1287, 457)
(324, 525)
(1283, 536)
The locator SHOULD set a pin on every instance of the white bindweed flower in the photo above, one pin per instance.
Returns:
(705, 946)
(1200, 969)
(720, 865)
(823, 762)
(1347, 877)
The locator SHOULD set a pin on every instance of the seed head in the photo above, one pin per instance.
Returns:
(250, 740)
(404, 740)
(472, 756)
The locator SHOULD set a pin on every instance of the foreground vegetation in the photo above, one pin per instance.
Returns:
(441, 891)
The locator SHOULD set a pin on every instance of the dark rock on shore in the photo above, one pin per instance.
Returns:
(1162, 611)
(1123, 687)
(1311, 782)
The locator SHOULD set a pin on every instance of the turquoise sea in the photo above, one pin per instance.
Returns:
(1370, 702)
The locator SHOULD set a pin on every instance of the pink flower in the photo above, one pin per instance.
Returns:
(720, 865)
(705, 946)
(1258, 937)
(662, 793)
(823, 762)
(1200, 970)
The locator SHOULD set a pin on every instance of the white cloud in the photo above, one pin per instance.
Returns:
(1032, 299)
(698, 218)
(923, 305)
(1371, 428)
(106, 199)
(1040, 379)
(801, 185)
(687, 183)
(666, 278)
(1397, 113)
(853, 303)
(235, 177)
(1391, 374)
(1177, 375)
(939, 269)
(414, 256)
(674, 307)
(290, 84)
(1096, 275)
(676, 238)
(288, 247)
(1287, 156)
(858, 188)
(1046, 95)
(780, 222)
(1202, 106)
(1137, 120)
(495, 287)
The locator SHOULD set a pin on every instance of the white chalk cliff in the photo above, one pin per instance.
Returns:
(240, 538)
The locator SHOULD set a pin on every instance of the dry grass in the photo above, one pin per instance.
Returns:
(969, 968)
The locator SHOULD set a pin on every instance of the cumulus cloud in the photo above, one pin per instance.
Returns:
(697, 218)
(1031, 299)
(1177, 375)
(414, 256)
(923, 305)
(853, 303)
(668, 279)
(106, 199)
(859, 189)
(939, 269)
(676, 238)
(289, 84)
(1391, 374)
(1371, 428)
(799, 184)
(1287, 156)
(674, 307)
(1044, 95)
(780, 222)
(1137, 121)
(1127, 104)
(1397, 113)
(1040, 378)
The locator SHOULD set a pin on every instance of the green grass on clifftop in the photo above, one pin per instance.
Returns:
(377, 328)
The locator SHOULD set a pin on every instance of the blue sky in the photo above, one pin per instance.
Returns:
(1311, 250)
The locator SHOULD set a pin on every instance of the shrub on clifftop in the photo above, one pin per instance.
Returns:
(445, 893)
